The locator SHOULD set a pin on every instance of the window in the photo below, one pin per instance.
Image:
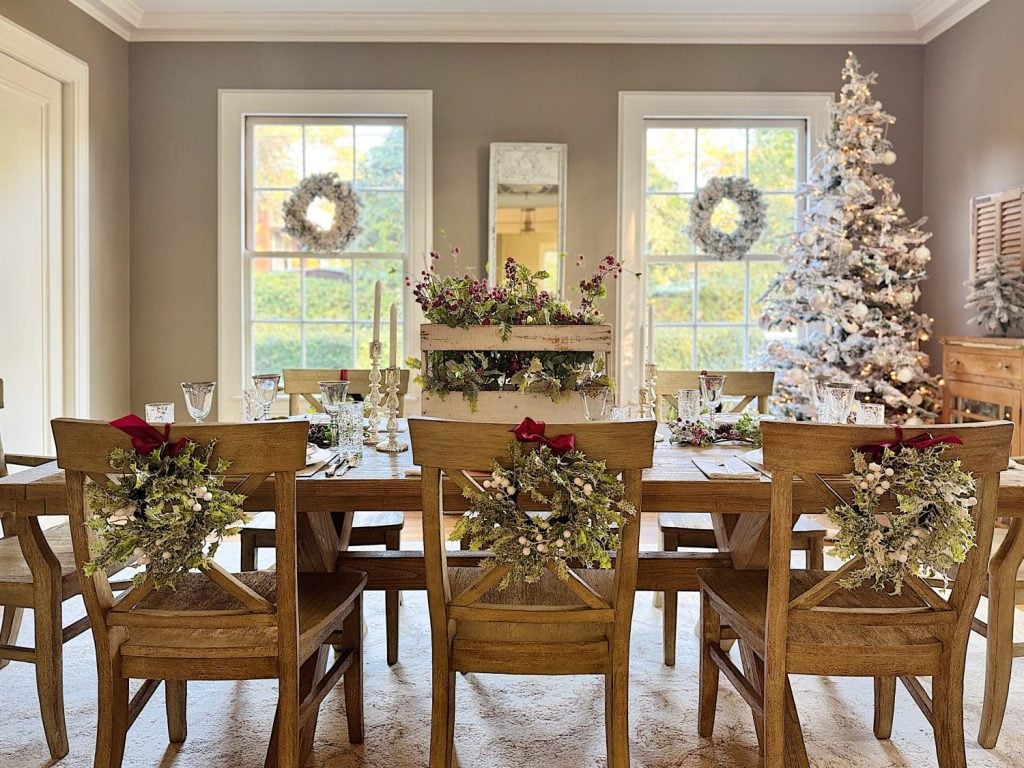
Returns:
(278, 305)
(707, 311)
(670, 144)
(315, 310)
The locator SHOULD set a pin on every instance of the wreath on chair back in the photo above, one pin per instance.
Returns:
(753, 217)
(345, 225)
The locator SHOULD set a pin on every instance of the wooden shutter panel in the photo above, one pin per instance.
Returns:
(997, 219)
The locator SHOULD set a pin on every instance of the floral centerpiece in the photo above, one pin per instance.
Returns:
(462, 301)
(745, 429)
(926, 530)
(166, 510)
(585, 508)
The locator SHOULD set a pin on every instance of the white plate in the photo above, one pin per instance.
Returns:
(317, 456)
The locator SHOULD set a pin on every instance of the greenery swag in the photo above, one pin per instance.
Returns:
(586, 507)
(926, 530)
(166, 510)
(746, 429)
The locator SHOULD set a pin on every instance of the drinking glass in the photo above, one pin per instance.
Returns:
(870, 413)
(839, 397)
(595, 403)
(816, 387)
(332, 395)
(198, 398)
(252, 408)
(711, 386)
(160, 413)
(688, 404)
(266, 390)
(350, 428)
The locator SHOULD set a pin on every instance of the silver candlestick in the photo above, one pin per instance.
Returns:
(391, 445)
(370, 436)
(648, 396)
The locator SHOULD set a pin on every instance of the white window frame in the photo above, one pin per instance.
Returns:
(415, 107)
(636, 108)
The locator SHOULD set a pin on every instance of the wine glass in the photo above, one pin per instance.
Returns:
(266, 390)
(332, 395)
(198, 398)
(711, 386)
(595, 403)
(839, 397)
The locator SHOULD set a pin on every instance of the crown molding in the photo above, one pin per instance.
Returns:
(933, 17)
(930, 19)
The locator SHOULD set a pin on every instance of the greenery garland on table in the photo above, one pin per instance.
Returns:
(753, 217)
(928, 530)
(345, 225)
(586, 509)
(746, 429)
(167, 510)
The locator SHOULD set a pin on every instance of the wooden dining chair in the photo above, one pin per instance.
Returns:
(216, 625)
(29, 559)
(369, 528)
(804, 623)
(692, 530)
(578, 627)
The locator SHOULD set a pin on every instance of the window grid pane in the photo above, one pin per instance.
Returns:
(723, 334)
(301, 313)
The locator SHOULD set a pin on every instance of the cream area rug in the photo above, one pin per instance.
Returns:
(502, 722)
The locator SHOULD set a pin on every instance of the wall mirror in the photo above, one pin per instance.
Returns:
(527, 210)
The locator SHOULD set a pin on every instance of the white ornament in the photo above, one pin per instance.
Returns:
(859, 311)
(888, 157)
(843, 247)
(922, 254)
(808, 238)
(905, 298)
(905, 375)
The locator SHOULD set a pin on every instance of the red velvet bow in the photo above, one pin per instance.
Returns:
(530, 431)
(919, 443)
(147, 438)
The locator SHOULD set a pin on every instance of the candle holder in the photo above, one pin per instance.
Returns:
(648, 396)
(391, 444)
(373, 397)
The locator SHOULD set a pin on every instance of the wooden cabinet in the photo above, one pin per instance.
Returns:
(984, 381)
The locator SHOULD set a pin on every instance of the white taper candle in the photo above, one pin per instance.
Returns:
(376, 311)
(650, 333)
(394, 336)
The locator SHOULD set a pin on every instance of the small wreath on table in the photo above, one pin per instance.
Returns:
(926, 531)
(753, 217)
(585, 509)
(746, 429)
(345, 225)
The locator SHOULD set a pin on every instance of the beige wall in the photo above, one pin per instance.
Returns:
(973, 141)
(482, 93)
(107, 56)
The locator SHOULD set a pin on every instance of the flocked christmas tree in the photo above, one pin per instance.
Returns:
(851, 277)
(997, 295)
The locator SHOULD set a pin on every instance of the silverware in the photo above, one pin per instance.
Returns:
(335, 465)
(349, 464)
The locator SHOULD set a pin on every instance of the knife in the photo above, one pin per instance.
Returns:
(335, 465)
(349, 464)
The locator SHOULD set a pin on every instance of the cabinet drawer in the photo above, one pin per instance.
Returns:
(981, 364)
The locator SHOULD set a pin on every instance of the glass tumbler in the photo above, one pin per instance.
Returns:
(688, 404)
(160, 413)
(198, 398)
(839, 397)
(816, 388)
(870, 413)
(350, 428)
(595, 403)
(266, 390)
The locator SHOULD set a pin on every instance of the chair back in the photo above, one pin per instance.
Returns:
(817, 455)
(749, 386)
(256, 452)
(459, 448)
(302, 386)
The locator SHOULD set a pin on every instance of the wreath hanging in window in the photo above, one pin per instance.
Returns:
(345, 224)
(720, 245)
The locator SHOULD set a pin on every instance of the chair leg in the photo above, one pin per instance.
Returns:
(112, 720)
(616, 708)
(885, 705)
(176, 696)
(998, 657)
(669, 620)
(753, 670)
(815, 554)
(248, 558)
(49, 647)
(9, 628)
(353, 632)
(711, 635)
(286, 739)
(393, 541)
(948, 721)
(442, 713)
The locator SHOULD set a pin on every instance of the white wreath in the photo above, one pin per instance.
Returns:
(753, 217)
(345, 225)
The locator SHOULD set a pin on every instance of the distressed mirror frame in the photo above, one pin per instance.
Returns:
(526, 163)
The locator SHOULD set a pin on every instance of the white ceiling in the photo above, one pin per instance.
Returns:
(579, 21)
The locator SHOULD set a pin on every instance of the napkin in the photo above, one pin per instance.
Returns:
(727, 468)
